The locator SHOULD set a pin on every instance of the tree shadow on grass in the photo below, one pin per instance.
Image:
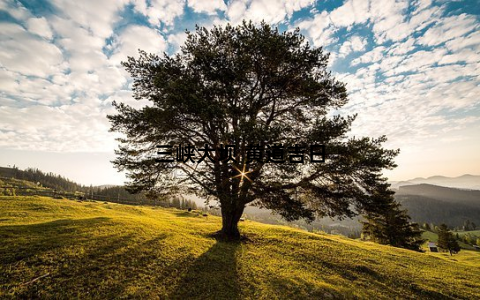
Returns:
(94, 258)
(213, 275)
(123, 267)
(63, 252)
(34, 239)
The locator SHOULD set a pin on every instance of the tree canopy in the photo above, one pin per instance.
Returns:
(262, 91)
(388, 224)
(446, 240)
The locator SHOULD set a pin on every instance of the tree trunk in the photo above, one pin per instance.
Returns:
(230, 218)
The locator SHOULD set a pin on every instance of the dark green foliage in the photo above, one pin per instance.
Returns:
(437, 204)
(389, 224)
(36, 182)
(182, 203)
(469, 239)
(468, 225)
(446, 240)
(426, 226)
(119, 194)
(248, 86)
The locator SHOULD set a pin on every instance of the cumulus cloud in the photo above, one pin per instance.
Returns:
(15, 9)
(468, 41)
(320, 29)
(22, 52)
(95, 16)
(82, 129)
(351, 12)
(160, 11)
(40, 27)
(374, 55)
(177, 39)
(354, 44)
(207, 6)
(137, 37)
(270, 11)
(448, 29)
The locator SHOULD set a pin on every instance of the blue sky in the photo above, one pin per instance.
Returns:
(412, 70)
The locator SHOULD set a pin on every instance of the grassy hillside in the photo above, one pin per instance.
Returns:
(53, 248)
(471, 232)
(19, 187)
(433, 237)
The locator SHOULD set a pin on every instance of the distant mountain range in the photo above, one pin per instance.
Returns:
(438, 204)
(461, 182)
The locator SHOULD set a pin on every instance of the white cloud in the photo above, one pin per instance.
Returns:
(207, 6)
(8, 82)
(401, 48)
(388, 18)
(320, 29)
(236, 10)
(469, 41)
(24, 53)
(87, 126)
(423, 17)
(95, 16)
(355, 44)
(418, 60)
(60, 66)
(296, 5)
(137, 37)
(373, 55)
(160, 11)
(464, 56)
(177, 39)
(448, 29)
(421, 5)
(75, 38)
(351, 12)
(410, 108)
(15, 9)
(40, 27)
(83, 48)
(270, 11)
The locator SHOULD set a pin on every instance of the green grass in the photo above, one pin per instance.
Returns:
(104, 251)
(471, 232)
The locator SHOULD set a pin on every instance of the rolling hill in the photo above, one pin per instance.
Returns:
(54, 248)
(436, 204)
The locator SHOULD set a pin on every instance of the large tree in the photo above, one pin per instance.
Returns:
(263, 92)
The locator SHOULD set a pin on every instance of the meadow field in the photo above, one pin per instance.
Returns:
(65, 249)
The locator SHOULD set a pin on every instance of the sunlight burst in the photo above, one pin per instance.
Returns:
(242, 173)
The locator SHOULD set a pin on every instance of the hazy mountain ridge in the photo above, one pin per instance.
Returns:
(466, 181)
(438, 204)
(446, 194)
